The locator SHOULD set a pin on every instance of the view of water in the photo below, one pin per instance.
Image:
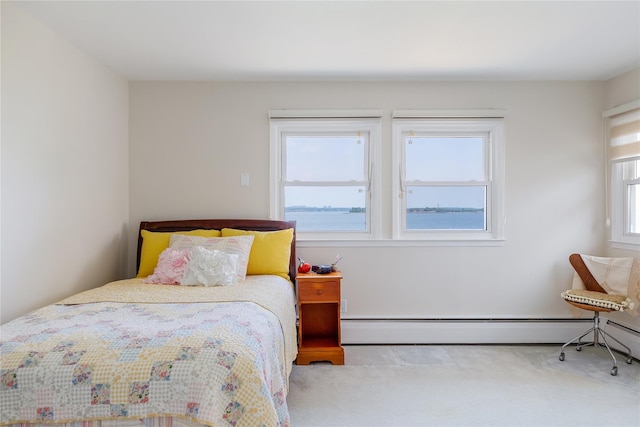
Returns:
(345, 221)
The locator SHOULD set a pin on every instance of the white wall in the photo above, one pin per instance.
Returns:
(190, 141)
(66, 183)
(622, 89)
(65, 198)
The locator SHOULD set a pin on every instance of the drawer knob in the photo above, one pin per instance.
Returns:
(319, 292)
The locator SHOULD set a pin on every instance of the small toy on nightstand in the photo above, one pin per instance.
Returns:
(326, 268)
(303, 267)
(333, 266)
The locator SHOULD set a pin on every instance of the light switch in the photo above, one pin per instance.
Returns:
(244, 179)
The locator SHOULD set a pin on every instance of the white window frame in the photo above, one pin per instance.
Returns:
(283, 122)
(493, 127)
(617, 199)
(621, 236)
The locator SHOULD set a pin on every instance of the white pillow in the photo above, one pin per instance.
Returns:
(236, 245)
(210, 268)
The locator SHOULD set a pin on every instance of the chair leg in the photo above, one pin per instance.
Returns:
(629, 357)
(598, 333)
(614, 370)
(578, 338)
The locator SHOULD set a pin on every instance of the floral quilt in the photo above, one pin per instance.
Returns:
(216, 356)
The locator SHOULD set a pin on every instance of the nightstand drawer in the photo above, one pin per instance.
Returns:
(319, 291)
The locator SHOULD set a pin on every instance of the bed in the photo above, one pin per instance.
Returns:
(141, 353)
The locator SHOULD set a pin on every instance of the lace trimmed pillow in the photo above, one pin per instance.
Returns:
(237, 245)
(598, 299)
(210, 268)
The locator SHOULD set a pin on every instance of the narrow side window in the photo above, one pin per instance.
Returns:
(623, 161)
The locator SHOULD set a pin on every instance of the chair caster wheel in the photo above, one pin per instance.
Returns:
(561, 357)
(578, 348)
(614, 371)
(629, 360)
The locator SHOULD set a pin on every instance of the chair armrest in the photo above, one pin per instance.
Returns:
(587, 278)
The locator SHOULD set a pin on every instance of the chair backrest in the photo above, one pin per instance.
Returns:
(587, 278)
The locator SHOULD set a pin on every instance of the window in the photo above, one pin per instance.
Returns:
(623, 150)
(449, 181)
(444, 178)
(322, 175)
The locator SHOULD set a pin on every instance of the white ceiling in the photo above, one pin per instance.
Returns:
(352, 40)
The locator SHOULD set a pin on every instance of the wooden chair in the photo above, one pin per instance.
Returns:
(594, 298)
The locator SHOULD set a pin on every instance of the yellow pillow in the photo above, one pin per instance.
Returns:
(153, 243)
(270, 252)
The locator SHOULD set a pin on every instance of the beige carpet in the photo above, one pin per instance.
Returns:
(398, 386)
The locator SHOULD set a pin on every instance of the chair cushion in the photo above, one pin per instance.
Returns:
(597, 299)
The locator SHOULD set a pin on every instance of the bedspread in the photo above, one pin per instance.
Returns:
(217, 356)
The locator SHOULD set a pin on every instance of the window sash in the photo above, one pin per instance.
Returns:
(332, 137)
(457, 227)
(363, 138)
(366, 129)
(623, 174)
(491, 131)
(631, 190)
(484, 162)
(323, 220)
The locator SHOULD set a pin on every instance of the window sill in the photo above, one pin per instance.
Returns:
(375, 243)
(624, 245)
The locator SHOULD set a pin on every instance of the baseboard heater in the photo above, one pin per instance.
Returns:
(476, 331)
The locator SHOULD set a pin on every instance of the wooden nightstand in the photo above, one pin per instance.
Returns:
(319, 318)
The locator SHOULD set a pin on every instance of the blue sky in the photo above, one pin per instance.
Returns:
(342, 159)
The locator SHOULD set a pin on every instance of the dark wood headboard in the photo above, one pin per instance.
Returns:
(219, 224)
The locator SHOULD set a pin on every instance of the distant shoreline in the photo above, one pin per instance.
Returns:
(344, 220)
(362, 210)
(444, 210)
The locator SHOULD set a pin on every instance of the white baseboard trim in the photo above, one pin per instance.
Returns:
(477, 331)
(629, 337)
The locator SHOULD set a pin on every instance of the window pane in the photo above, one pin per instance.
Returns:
(446, 208)
(325, 158)
(634, 208)
(444, 158)
(631, 169)
(326, 208)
